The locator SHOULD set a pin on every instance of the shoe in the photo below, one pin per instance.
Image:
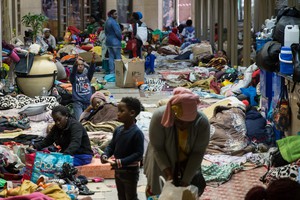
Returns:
(83, 180)
(84, 190)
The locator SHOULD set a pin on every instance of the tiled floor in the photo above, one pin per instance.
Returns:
(107, 190)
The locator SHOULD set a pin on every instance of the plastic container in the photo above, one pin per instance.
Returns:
(291, 35)
(286, 61)
(261, 42)
(14, 56)
(112, 99)
(44, 92)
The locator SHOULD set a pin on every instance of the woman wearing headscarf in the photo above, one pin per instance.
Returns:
(179, 135)
(136, 21)
(99, 110)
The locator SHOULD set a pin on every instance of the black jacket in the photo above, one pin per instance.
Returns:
(73, 140)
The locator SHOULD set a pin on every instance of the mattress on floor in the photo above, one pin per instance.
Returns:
(96, 169)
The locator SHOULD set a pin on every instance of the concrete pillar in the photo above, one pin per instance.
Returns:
(228, 25)
(1, 32)
(220, 8)
(111, 4)
(233, 42)
(205, 20)
(247, 33)
(212, 23)
(197, 17)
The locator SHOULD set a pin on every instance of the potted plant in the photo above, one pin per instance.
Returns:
(35, 22)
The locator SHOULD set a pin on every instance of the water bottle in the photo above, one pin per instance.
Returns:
(44, 92)
(112, 99)
(11, 87)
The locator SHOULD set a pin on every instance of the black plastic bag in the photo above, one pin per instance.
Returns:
(296, 62)
(267, 57)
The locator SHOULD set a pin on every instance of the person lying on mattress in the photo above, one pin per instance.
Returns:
(68, 136)
(99, 110)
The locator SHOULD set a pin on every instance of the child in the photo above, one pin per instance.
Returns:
(127, 146)
(81, 86)
(149, 61)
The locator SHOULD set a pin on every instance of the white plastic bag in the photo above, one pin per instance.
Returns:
(34, 48)
(171, 192)
(142, 32)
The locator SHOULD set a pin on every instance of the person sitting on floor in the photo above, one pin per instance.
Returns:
(188, 35)
(99, 110)
(69, 136)
(49, 39)
(173, 38)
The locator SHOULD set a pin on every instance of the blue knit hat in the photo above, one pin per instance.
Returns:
(140, 14)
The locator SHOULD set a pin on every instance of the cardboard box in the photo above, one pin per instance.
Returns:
(129, 72)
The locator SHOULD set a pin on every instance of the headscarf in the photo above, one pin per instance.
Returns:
(99, 95)
(140, 15)
(182, 105)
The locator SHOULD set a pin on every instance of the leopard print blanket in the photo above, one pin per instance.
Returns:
(9, 102)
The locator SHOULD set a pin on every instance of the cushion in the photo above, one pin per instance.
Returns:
(33, 109)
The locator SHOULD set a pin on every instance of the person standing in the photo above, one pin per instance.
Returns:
(113, 35)
(135, 22)
(81, 85)
(127, 146)
(179, 135)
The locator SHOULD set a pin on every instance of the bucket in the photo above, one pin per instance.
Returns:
(261, 42)
(14, 56)
(286, 61)
(291, 35)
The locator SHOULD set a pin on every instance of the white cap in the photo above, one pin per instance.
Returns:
(46, 29)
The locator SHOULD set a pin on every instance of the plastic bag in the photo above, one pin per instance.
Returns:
(171, 192)
(49, 164)
(267, 57)
(42, 43)
(142, 32)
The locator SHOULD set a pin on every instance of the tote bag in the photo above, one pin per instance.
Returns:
(282, 112)
(49, 164)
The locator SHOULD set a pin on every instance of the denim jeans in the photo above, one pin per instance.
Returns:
(78, 108)
(114, 53)
(126, 181)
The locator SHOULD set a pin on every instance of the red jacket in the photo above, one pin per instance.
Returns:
(174, 40)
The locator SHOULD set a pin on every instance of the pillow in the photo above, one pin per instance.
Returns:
(33, 109)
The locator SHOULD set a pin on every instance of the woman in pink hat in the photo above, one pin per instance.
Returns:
(100, 110)
(179, 135)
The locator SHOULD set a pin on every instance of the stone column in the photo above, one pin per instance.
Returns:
(247, 33)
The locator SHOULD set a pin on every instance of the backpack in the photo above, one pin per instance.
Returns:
(142, 32)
